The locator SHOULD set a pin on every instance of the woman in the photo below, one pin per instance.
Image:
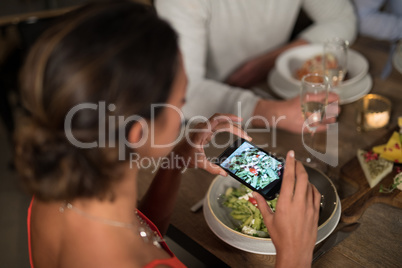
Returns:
(83, 82)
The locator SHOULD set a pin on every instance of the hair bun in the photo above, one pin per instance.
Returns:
(41, 155)
(54, 169)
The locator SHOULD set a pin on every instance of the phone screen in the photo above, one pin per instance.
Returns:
(253, 167)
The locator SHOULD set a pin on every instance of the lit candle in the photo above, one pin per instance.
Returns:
(377, 120)
(374, 112)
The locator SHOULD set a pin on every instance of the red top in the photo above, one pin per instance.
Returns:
(173, 261)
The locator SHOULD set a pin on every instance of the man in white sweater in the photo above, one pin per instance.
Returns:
(229, 45)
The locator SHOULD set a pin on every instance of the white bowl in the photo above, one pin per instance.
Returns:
(291, 60)
(220, 222)
(347, 93)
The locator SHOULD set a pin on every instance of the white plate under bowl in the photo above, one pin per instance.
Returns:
(347, 93)
(219, 221)
(291, 60)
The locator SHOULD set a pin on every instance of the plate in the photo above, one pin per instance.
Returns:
(219, 221)
(347, 93)
(397, 58)
(292, 59)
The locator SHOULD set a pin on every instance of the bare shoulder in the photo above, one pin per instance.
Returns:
(61, 241)
(106, 246)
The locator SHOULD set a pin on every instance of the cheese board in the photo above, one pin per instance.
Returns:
(354, 205)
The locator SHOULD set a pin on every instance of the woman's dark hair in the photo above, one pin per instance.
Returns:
(116, 53)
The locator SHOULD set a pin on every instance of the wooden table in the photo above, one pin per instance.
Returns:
(378, 240)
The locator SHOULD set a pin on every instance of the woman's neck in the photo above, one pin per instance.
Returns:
(121, 208)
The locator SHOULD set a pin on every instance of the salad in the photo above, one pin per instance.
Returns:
(245, 212)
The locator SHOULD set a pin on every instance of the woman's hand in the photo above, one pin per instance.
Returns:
(293, 227)
(191, 148)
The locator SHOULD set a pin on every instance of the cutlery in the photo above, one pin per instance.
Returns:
(197, 205)
(337, 236)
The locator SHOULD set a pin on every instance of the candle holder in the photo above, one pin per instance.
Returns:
(374, 112)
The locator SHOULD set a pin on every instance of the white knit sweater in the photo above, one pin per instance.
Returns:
(217, 36)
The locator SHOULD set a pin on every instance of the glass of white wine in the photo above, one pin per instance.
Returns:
(314, 99)
(335, 60)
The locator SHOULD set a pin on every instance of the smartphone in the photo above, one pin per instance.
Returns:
(252, 166)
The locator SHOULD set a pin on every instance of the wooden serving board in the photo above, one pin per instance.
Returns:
(354, 206)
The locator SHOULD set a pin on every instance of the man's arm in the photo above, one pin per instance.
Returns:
(330, 19)
(375, 23)
(255, 70)
(204, 96)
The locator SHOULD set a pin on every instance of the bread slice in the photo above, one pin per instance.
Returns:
(374, 169)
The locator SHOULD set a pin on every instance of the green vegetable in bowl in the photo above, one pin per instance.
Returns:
(245, 212)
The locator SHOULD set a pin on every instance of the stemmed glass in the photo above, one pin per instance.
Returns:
(335, 60)
(313, 98)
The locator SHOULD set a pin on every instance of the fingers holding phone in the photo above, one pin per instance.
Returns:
(191, 149)
(293, 227)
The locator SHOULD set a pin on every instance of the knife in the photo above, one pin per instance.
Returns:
(341, 233)
(197, 205)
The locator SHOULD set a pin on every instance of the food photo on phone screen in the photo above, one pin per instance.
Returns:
(252, 166)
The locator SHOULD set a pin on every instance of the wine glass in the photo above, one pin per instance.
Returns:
(335, 60)
(313, 99)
